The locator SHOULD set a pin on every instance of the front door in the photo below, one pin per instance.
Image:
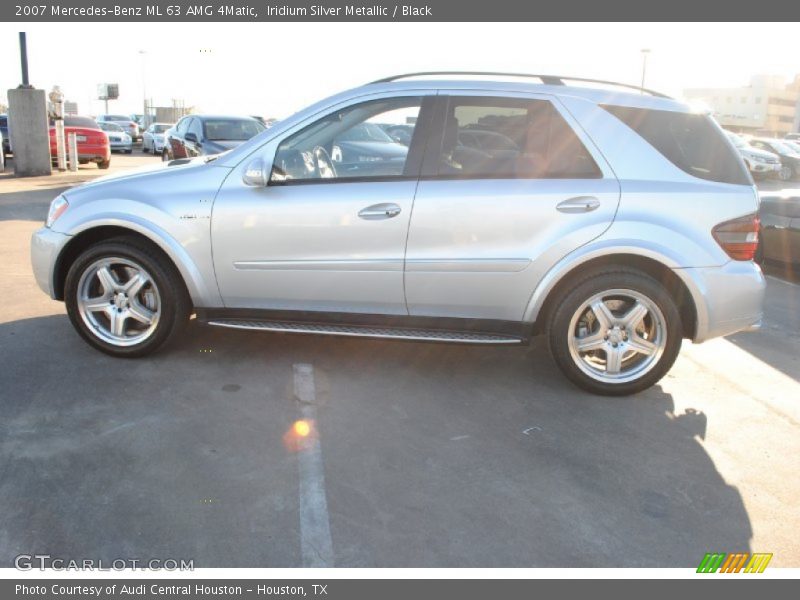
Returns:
(329, 231)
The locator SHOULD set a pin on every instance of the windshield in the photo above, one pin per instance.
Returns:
(117, 118)
(110, 127)
(366, 132)
(84, 122)
(159, 128)
(232, 129)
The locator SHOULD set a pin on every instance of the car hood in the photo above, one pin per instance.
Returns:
(139, 176)
(383, 150)
(221, 145)
(755, 152)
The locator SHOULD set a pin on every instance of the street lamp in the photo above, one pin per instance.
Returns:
(645, 53)
(145, 117)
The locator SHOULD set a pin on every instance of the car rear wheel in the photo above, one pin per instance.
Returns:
(616, 332)
(104, 164)
(123, 300)
(786, 173)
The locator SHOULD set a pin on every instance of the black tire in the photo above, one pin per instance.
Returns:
(570, 301)
(175, 302)
(104, 164)
(129, 151)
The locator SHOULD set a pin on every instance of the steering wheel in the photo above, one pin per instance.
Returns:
(323, 163)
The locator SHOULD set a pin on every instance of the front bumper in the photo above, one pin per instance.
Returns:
(758, 167)
(120, 146)
(728, 299)
(46, 245)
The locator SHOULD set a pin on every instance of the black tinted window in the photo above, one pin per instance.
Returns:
(689, 141)
(511, 138)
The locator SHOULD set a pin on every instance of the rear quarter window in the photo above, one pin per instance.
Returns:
(692, 142)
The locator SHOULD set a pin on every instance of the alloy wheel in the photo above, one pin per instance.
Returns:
(617, 336)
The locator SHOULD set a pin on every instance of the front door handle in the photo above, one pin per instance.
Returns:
(578, 204)
(385, 210)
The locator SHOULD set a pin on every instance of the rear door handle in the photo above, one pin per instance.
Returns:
(386, 210)
(578, 204)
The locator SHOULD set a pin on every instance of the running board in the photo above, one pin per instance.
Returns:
(392, 333)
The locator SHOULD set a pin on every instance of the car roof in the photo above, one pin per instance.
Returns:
(599, 93)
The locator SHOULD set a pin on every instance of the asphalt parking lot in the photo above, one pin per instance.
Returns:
(428, 455)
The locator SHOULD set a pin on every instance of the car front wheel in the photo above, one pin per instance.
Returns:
(123, 299)
(616, 332)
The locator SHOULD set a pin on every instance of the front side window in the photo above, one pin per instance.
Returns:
(350, 144)
(511, 138)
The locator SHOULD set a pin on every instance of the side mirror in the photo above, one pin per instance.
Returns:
(257, 173)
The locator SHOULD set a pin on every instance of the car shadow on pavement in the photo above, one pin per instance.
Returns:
(435, 455)
(28, 205)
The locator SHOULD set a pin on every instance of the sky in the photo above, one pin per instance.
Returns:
(274, 69)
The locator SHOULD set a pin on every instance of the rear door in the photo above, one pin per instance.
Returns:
(489, 222)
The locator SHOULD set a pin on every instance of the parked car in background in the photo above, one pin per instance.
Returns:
(779, 239)
(759, 162)
(624, 223)
(793, 144)
(399, 132)
(200, 135)
(790, 160)
(6, 134)
(130, 126)
(154, 136)
(93, 143)
(792, 136)
(366, 149)
(117, 138)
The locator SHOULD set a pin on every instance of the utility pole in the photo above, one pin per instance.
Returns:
(23, 59)
(645, 53)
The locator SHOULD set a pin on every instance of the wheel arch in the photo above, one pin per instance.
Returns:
(543, 300)
(170, 250)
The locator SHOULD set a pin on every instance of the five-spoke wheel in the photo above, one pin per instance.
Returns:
(615, 332)
(125, 297)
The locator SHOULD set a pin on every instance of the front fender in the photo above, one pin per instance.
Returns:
(190, 254)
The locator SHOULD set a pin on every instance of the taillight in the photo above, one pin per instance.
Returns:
(738, 237)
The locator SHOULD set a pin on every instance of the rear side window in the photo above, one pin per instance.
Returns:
(689, 141)
(511, 138)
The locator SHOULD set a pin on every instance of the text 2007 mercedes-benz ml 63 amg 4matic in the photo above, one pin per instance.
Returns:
(432, 208)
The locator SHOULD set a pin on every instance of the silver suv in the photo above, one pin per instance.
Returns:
(614, 223)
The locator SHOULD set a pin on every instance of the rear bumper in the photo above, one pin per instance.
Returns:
(46, 245)
(728, 299)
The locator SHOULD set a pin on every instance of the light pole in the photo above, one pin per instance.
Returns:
(645, 53)
(145, 116)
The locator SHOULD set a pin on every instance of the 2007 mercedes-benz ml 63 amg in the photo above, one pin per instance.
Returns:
(614, 223)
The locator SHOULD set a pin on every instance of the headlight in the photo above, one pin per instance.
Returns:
(127, 137)
(57, 208)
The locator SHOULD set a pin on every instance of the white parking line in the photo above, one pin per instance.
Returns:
(315, 531)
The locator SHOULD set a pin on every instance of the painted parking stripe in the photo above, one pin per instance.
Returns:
(315, 532)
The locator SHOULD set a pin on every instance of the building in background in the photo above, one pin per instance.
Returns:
(769, 106)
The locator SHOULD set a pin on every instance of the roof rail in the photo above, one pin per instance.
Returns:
(545, 79)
